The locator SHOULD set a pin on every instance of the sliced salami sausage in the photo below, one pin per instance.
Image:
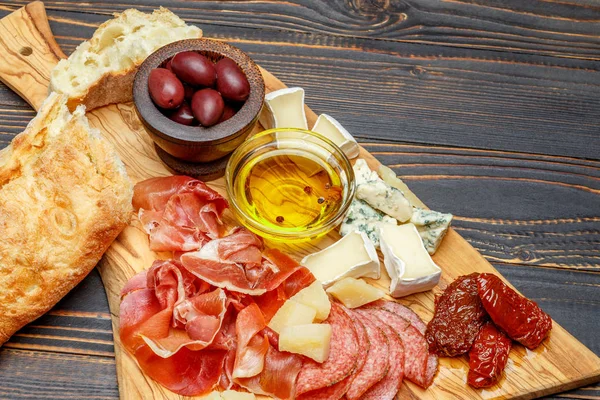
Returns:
(343, 355)
(415, 346)
(389, 385)
(377, 362)
(401, 310)
(337, 391)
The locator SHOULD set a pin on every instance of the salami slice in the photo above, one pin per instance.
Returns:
(337, 391)
(389, 385)
(377, 363)
(343, 355)
(415, 346)
(401, 310)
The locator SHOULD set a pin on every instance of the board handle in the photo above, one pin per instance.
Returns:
(28, 52)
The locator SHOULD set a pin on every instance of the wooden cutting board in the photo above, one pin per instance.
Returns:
(28, 52)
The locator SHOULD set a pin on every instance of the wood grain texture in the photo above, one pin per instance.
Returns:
(564, 29)
(431, 95)
(555, 75)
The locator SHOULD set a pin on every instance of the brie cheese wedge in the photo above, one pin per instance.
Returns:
(284, 108)
(334, 131)
(406, 260)
(353, 255)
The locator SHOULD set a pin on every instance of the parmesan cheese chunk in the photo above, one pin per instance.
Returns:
(354, 293)
(314, 296)
(311, 340)
(292, 313)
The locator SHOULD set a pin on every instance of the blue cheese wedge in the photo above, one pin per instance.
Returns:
(334, 131)
(362, 172)
(353, 255)
(364, 218)
(432, 227)
(385, 198)
(406, 260)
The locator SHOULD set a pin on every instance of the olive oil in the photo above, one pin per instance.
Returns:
(289, 190)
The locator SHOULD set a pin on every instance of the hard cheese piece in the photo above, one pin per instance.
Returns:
(385, 198)
(354, 293)
(284, 108)
(432, 227)
(314, 296)
(311, 340)
(406, 260)
(291, 314)
(364, 218)
(214, 395)
(233, 395)
(353, 255)
(334, 131)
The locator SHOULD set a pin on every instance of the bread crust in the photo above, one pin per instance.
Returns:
(64, 198)
(110, 89)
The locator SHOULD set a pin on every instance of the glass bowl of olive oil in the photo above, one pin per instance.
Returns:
(289, 184)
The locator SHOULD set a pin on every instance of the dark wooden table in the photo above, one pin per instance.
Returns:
(489, 110)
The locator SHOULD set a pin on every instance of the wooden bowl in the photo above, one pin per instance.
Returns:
(199, 144)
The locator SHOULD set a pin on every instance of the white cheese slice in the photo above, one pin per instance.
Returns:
(432, 226)
(406, 260)
(364, 218)
(334, 131)
(353, 255)
(385, 198)
(284, 108)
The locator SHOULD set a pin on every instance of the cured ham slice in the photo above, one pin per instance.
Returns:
(167, 321)
(240, 270)
(259, 367)
(388, 386)
(377, 363)
(178, 212)
(342, 360)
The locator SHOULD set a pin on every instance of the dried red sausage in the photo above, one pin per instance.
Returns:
(518, 316)
(458, 317)
(488, 356)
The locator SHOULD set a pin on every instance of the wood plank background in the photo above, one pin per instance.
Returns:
(489, 110)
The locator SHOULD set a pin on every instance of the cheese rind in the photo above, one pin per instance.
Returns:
(364, 218)
(432, 227)
(406, 260)
(284, 108)
(334, 131)
(292, 313)
(354, 293)
(385, 198)
(314, 296)
(353, 255)
(311, 340)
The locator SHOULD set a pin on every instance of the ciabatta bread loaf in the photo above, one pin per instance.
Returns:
(64, 197)
(101, 70)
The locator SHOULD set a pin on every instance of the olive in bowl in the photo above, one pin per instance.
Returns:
(225, 122)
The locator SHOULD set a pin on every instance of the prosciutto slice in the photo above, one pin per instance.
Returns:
(237, 263)
(167, 315)
(259, 366)
(178, 212)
